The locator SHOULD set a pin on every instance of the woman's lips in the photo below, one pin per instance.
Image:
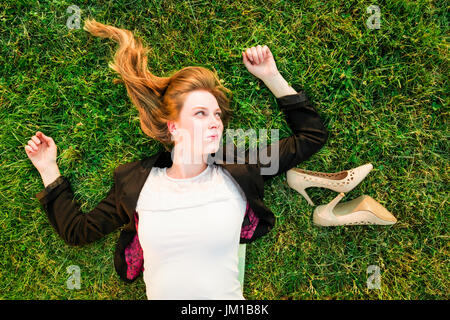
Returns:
(213, 137)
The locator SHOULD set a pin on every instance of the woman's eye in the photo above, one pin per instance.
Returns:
(219, 113)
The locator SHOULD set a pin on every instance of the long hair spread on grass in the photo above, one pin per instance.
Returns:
(158, 99)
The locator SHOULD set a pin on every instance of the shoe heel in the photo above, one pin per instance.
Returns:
(324, 216)
(305, 195)
(330, 206)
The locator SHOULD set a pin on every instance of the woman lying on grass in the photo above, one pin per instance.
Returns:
(182, 215)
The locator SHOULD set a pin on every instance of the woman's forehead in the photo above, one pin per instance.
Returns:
(201, 99)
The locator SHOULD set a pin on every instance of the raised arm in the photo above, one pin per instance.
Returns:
(73, 226)
(309, 132)
(260, 62)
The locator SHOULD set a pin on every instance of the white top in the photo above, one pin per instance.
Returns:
(189, 231)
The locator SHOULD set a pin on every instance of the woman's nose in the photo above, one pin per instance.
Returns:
(214, 123)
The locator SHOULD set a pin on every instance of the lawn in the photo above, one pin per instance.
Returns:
(382, 93)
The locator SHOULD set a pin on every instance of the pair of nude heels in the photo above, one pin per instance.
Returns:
(360, 211)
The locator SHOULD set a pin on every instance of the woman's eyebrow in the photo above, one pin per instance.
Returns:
(199, 107)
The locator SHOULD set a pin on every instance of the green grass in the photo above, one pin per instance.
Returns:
(381, 92)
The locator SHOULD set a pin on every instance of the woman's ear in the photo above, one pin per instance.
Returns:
(172, 130)
(171, 126)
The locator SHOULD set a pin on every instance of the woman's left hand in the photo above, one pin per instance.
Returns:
(259, 61)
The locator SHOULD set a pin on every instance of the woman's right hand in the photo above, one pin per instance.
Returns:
(42, 151)
(259, 61)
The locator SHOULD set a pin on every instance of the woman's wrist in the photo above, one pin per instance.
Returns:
(278, 85)
(49, 174)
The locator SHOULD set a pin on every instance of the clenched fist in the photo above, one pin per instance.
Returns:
(42, 151)
(259, 61)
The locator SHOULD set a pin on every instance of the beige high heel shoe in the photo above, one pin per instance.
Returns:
(360, 211)
(342, 181)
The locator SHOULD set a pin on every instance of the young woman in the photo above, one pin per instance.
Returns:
(181, 215)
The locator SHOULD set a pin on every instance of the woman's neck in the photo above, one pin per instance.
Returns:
(186, 165)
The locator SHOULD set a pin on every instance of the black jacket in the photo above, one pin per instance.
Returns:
(117, 209)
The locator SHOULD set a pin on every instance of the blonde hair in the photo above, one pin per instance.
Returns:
(158, 99)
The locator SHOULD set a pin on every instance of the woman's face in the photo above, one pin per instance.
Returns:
(199, 119)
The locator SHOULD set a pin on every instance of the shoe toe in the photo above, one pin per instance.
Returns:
(366, 168)
(362, 172)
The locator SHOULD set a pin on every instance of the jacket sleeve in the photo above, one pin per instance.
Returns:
(73, 226)
(309, 135)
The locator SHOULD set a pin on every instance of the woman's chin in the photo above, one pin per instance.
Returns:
(211, 148)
